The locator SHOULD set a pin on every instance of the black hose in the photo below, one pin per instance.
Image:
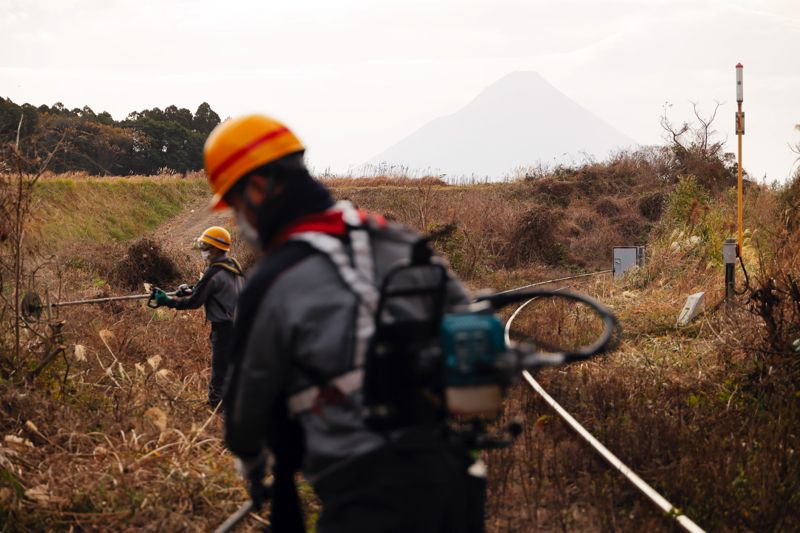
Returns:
(603, 343)
(746, 288)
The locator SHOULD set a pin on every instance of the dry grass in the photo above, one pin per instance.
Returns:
(707, 414)
(123, 438)
(117, 434)
(569, 218)
(348, 182)
(112, 438)
(74, 207)
(125, 425)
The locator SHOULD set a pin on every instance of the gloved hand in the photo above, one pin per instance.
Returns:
(161, 298)
(183, 290)
(252, 470)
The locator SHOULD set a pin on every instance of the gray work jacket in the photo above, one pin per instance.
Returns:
(307, 321)
(218, 290)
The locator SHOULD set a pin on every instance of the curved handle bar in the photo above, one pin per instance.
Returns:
(537, 358)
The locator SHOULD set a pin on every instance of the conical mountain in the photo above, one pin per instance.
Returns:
(520, 119)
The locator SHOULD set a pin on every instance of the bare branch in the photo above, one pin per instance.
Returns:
(705, 132)
(674, 133)
(19, 130)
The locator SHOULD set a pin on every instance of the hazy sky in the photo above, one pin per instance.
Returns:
(352, 77)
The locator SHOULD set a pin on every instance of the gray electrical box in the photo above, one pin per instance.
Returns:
(627, 257)
(729, 248)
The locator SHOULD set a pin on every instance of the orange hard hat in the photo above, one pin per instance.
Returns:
(241, 145)
(216, 236)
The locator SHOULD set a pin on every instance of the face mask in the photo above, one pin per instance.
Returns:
(247, 231)
(205, 253)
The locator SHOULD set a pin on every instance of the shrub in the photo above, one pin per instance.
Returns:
(631, 228)
(535, 237)
(584, 218)
(607, 207)
(684, 204)
(651, 205)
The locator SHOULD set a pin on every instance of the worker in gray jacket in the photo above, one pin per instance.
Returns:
(217, 290)
(305, 322)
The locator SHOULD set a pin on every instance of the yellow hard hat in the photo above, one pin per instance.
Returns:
(240, 145)
(217, 237)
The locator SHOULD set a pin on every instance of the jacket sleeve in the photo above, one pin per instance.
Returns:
(259, 380)
(201, 292)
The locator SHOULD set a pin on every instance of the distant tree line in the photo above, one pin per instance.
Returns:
(145, 142)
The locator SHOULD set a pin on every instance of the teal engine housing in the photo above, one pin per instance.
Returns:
(471, 344)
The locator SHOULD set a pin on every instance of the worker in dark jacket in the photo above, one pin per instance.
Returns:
(305, 320)
(217, 290)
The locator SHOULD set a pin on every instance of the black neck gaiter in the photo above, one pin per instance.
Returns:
(302, 195)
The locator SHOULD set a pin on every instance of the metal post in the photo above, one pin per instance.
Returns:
(729, 249)
(739, 133)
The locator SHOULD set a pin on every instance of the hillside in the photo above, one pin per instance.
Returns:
(116, 435)
(520, 120)
(78, 208)
(147, 141)
(569, 218)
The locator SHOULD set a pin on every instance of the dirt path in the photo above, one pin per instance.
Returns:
(178, 233)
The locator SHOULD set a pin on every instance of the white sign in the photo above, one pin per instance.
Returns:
(691, 308)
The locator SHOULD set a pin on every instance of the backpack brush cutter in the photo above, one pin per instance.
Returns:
(470, 366)
(453, 366)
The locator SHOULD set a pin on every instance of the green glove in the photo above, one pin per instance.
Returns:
(162, 298)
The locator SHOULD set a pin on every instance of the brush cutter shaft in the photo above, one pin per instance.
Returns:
(233, 520)
(244, 510)
(108, 299)
(101, 300)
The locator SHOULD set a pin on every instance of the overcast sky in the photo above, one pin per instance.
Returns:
(352, 77)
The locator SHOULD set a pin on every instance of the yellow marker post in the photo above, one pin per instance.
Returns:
(739, 133)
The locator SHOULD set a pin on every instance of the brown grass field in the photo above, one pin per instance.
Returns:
(114, 433)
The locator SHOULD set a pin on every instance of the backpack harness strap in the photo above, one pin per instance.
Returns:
(233, 266)
(359, 276)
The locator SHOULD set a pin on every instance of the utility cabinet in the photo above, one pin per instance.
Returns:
(627, 257)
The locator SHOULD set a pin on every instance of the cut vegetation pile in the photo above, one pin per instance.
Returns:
(145, 261)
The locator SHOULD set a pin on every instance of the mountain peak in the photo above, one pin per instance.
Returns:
(519, 86)
(520, 119)
(521, 76)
